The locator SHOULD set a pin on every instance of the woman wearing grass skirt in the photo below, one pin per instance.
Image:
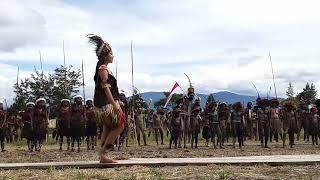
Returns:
(40, 123)
(107, 109)
(78, 117)
(91, 124)
(64, 123)
(27, 118)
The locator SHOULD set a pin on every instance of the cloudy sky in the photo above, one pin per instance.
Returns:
(221, 45)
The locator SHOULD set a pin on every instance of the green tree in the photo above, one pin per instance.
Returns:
(22, 92)
(308, 95)
(290, 92)
(63, 83)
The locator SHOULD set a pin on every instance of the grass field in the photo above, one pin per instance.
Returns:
(211, 172)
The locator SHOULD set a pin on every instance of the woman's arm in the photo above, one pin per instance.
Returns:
(103, 73)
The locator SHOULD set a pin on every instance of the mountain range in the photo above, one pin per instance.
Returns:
(222, 96)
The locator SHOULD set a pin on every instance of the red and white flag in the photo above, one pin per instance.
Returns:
(171, 93)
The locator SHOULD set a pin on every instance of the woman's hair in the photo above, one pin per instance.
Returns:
(102, 49)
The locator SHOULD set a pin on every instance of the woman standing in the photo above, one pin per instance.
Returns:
(40, 123)
(27, 118)
(91, 125)
(78, 117)
(64, 123)
(107, 109)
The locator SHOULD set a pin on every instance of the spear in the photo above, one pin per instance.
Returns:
(256, 88)
(270, 91)
(40, 61)
(134, 122)
(64, 54)
(18, 77)
(83, 88)
(64, 66)
(274, 83)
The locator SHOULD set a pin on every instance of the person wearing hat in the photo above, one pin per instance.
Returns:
(78, 118)
(314, 125)
(64, 123)
(40, 124)
(91, 124)
(27, 120)
(3, 126)
(289, 123)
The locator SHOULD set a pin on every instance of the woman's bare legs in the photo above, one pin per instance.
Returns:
(111, 137)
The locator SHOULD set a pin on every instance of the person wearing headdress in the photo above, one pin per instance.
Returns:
(237, 121)
(289, 123)
(106, 96)
(158, 117)
(275, 121)
(263, 121)
(78, 118)
(40, 124)
(91, 124)
(64, 123)
(3, 126)
(27, 120)
(314, 125)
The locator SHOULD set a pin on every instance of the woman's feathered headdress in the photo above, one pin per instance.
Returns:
(102, 47)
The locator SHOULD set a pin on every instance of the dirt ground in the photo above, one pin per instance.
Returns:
(18, 153)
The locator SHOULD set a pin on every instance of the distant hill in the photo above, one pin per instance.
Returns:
(223, 96)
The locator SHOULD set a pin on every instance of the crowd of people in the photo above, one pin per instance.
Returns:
(76, 122)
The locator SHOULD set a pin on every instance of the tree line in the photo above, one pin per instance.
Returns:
(63, 83)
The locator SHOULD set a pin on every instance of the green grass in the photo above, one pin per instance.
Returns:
(155, 173)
